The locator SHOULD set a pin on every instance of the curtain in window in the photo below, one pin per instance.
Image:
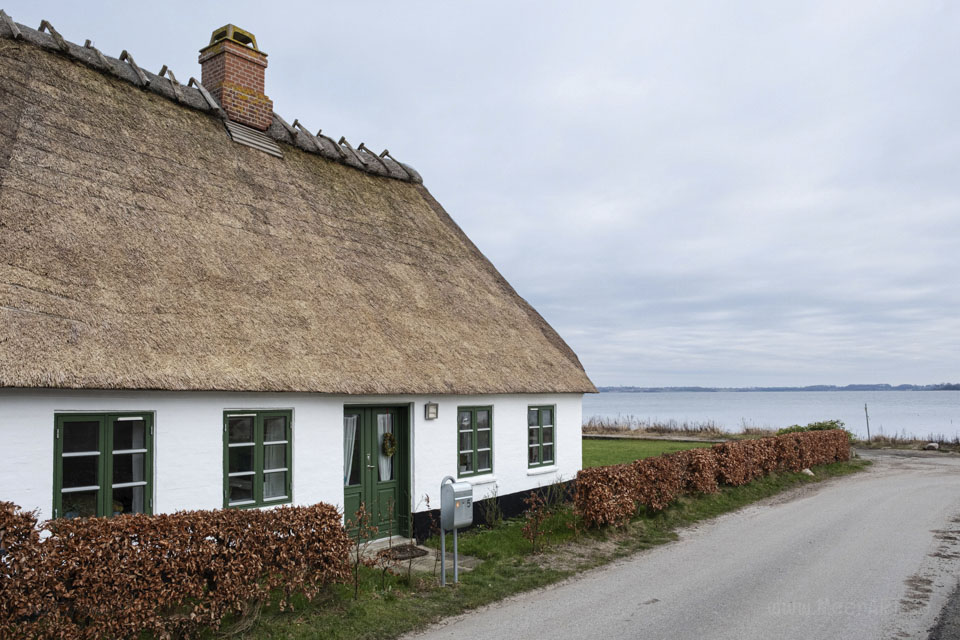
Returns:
(349, 442)
(384, 425)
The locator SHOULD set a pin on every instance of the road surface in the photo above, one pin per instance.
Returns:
(871, 556)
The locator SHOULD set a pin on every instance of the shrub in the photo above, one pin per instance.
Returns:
(788, 453)
(660, 481)
(700, 475)
(731, 463)
(169, 575)
(533, 518)
(823, 425)
(605, 495)
(611, 495)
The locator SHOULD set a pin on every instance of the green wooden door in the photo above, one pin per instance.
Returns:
(372, 478)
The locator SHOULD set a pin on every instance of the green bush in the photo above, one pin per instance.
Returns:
(823, 425)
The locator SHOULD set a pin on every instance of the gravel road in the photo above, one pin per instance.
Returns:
(871, 556)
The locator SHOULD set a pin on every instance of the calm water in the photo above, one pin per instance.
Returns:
(920, 413)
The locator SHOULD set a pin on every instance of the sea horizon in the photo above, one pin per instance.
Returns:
(892, 412)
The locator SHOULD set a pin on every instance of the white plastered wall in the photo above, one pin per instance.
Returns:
(188, 442)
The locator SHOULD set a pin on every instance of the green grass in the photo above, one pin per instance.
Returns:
(508, 567)
(597, 453)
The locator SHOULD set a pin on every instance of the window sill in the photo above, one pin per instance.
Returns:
(539, 471)
(262, 506)
(478, 480)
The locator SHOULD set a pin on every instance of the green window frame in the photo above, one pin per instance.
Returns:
(541, 436)
(102, 464)
(257, 458)
(474, 441)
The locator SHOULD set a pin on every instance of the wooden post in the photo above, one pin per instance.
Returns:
(866, 413)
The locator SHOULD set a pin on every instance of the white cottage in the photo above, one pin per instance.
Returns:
(203, 306)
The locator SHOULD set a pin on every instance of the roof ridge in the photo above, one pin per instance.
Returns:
(195, 96)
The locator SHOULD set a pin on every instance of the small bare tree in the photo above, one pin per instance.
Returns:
(385, 559)
(365, 531)
(534, 517)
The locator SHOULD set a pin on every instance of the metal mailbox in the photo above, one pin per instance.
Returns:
(456, 505)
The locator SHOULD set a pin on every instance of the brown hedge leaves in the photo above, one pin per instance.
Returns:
(170, 575)
(611, 495)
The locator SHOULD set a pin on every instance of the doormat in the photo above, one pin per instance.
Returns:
(404, 552)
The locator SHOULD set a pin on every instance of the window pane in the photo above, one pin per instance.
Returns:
(275, 428)
(128, 500)
(548, 453)
(82, 471)
(533, 417)
(128, 434)
(274, 485)
(240, 429)
(384, 469)
(483, 461)
(483, 439)
(81, 436)
(354, 447)
(534, 456)
(275, 456)
(466, 441)
(127, 467)
(82, 504)
(463, 420)
(548, 435)
(384, 462)
(466, 462)
(483, 419)
(547, 416)
(534, 436)
(241, 489)
(241, 459)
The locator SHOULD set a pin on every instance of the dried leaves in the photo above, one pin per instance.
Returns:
(170, 575)
(612, 495)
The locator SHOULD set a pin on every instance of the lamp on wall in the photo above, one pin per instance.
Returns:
(430, 410)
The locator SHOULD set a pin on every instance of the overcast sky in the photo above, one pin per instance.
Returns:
(692, 193)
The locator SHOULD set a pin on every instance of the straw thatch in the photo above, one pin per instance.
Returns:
(140, 248)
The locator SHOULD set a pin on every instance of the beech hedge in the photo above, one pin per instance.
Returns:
(611, 495)
(169, 575)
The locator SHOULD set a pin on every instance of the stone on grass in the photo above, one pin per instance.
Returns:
(932, 446)
(807, 472)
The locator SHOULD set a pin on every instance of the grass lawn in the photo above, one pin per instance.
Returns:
(390, 605)
(597, 453)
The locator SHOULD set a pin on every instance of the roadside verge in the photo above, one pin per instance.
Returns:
(391, 605)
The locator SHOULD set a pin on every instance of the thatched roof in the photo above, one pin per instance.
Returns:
(141, 248)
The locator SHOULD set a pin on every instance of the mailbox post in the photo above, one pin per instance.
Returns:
(456, 511)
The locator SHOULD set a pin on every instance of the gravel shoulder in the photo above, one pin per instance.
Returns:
(948, 622)
(874, 555)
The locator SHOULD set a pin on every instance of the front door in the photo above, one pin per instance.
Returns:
(375, 468)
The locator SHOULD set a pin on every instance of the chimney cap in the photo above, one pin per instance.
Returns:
(234, 34)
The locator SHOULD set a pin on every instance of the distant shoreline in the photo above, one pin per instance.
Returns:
(945, 386)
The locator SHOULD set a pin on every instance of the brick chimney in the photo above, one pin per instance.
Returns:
(232, 70)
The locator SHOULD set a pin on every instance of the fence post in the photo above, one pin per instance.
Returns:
(866, 413)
